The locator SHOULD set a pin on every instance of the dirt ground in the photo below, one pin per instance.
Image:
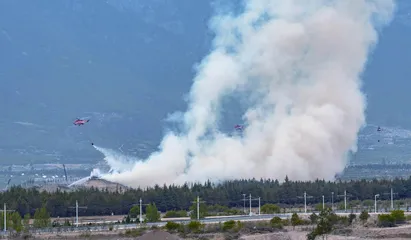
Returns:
(357, 232)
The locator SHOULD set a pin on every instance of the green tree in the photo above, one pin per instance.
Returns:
(2, 221)
(26, 222)
(313, 218)
(134, 211)
(179, 197)
(324, 225)
(10, 222)
(152, 214)
(217, 208)
(295, 220)
(41, 218)
(16, 221)
(269, 208)
(127, 220)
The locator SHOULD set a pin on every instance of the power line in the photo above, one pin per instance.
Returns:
(305, 200)
(141, 209)
(345, 199)
(323, 203)
(259, 204)
(392, 198)
(244, 201)
(77, 207)
(198, 207)
(5, 216)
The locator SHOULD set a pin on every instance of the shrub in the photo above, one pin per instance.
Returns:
(295, 220)
(364, 216)
(343, 220)
(172, 226)
(270, 208)
(276, 222)
(175, 214)
(240, 225)
(398, 216)
(313, 218)
(195, 226)
(133, 232)
(351, 218)
(228, 225)
(386, 220)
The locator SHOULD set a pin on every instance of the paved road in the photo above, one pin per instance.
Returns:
(208, 220)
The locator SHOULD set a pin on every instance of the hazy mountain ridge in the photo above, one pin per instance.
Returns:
(126, 65)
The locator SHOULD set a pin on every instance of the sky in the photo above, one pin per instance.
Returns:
(127, 66)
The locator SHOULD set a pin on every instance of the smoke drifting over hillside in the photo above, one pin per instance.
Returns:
(299, 65)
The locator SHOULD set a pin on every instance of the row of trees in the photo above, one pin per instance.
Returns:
(41, 219)
(227, 194)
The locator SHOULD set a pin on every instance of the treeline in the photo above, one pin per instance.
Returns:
(229, 194)
(404, 166)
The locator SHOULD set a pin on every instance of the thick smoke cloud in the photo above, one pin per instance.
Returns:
(299, 64)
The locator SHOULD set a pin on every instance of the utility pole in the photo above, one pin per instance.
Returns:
(392, 200)
(375, 202)
(141, 211)
(323, 202)
(259, 204)
(332, 201)
(77, 207)
(5, 216)
(392, 193)
(250, 204)
(244, 201)
(305, 201)
(198, 207)
(345, 199)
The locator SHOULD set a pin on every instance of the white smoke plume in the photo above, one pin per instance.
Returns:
(118, 162)
(299, 63)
